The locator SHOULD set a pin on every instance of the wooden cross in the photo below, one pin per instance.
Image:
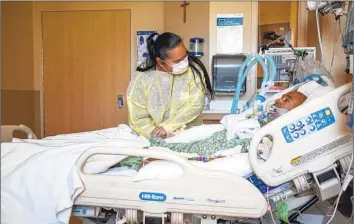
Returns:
(184, 5)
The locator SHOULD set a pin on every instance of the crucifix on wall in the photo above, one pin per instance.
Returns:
(184, 5)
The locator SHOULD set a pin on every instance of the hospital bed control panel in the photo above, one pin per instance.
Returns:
(308, 125)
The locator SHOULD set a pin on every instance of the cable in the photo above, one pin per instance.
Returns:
(319, 36)
(347, 25)
(332, 9)
(340, 29)
(341, 190)
(296, 64)
(271, 213)
(336, 43)
(303, 208)
(333, 47)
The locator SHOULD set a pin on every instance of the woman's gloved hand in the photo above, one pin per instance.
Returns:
(159, 132)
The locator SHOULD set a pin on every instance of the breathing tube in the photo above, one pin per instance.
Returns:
(273, 69)
(244, 71)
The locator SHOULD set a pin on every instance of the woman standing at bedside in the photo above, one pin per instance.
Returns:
(169, 89)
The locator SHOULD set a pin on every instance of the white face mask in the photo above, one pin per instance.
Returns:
(281, 111)
(180, 67)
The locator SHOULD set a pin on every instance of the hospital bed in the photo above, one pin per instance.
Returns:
(311, 154)
(313, 160)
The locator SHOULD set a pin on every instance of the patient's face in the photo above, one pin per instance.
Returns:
(290, 100)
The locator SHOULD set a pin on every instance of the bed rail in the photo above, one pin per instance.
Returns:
(154, 152)
(196, 191)
(7, 132)
(304, 150)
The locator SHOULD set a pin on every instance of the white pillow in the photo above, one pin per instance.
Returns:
(101, 163)
(164, 170)
(121, 171)
(236, 164)
(313, 90)
(196, 133)
(159, 170)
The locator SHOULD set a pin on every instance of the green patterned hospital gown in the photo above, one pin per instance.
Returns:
(207, 147)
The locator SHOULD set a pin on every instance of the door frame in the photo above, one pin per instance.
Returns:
(42, 91)
(38, 9)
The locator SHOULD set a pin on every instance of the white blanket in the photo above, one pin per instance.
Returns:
(123, 131)
(39, 179)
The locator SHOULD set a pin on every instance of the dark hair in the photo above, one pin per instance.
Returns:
(160, 47)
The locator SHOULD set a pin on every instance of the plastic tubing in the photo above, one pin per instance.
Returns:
(238, 86)
(273, 69)
(243, 74)
(264, 67)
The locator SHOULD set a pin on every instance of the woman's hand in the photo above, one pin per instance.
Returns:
(159, 132)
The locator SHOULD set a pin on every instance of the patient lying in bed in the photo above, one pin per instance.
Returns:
(286, 103)
(204, 150)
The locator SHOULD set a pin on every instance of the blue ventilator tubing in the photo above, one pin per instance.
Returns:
(244, 72)
(273, 68)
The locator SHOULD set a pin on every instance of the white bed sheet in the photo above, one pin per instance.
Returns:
(39, 177)
(122, 131)
(237, 164)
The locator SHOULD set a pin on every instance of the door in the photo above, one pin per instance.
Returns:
(86, 66)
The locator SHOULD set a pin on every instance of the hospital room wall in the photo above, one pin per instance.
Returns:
(309, 31)
(329, 35)
(274, 12)
(18, 95)
(144, 16)
(278, 12)
(250, 32)
(139, 10)
(197, 24)
(22, 51)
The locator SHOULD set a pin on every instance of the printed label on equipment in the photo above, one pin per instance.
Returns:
(182, 199)
(151, 196)
(308, 125)
(215, 201)
(321, 151)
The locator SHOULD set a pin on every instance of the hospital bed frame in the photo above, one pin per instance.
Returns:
(7, 132)
(313, 165)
